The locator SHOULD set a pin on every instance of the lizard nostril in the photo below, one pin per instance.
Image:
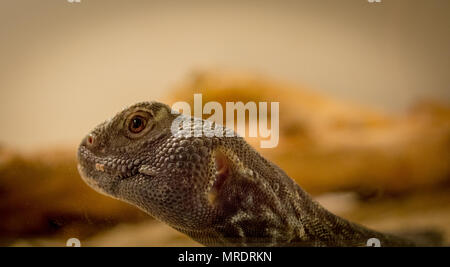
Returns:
(90, 140)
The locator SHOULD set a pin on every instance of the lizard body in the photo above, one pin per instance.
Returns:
(217, 190)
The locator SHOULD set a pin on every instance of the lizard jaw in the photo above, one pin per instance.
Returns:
(103, 174)
(94, 183)
(108, 165)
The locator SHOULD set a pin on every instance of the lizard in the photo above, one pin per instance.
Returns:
(218, 190)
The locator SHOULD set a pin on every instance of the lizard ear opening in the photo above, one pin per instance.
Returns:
(222, 166)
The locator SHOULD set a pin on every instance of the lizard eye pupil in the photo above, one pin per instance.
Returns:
(137, 124)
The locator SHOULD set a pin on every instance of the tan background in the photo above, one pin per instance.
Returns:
(64, 67)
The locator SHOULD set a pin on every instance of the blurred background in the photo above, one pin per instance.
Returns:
(364, 92)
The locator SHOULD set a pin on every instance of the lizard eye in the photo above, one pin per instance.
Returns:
(137, 124)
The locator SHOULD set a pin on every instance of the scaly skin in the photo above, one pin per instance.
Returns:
(217, 190)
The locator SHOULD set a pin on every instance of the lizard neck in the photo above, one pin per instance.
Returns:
(300, 223)
(262, 205)
(252, 202)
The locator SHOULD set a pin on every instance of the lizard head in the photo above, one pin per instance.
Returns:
(135, 157)
(115, 149)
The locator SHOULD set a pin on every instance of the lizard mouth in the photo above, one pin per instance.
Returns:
(111, 166)
(104, 174)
